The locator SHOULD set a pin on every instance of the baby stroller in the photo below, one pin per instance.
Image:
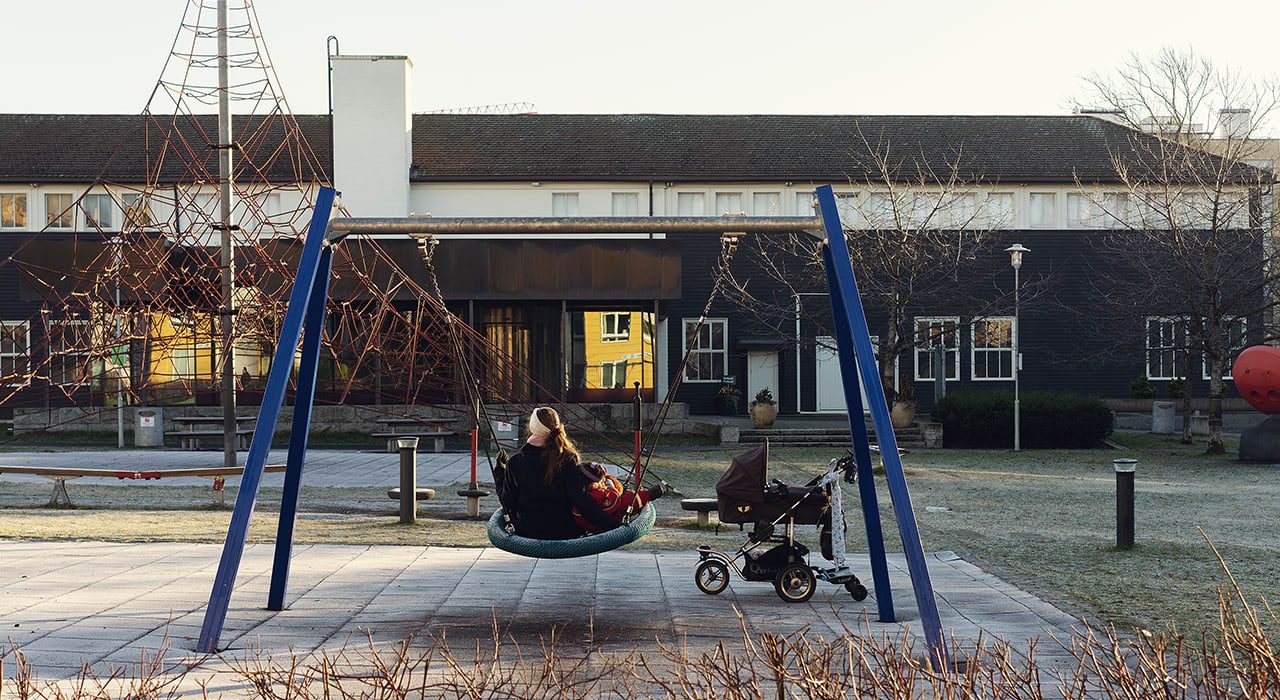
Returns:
(746, 496)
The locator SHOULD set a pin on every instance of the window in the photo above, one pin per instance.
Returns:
(58, 211)
(879, 210)
(615, 326)
(564, 204)
(993, 347)
(766, 204)
(137, 211)
(728, 203)
(1116, 210)
(1166, 347)
(1044, 212)
(626, 204)
(613, 375)
(691, 204)
(69, 352)
(961, 210)
(709, 355)
(1080, 211)
(13, 211)
(804, 205)
(997, 212)
(97, 211)
(1237, 341)
(932, 331)
(13, 352)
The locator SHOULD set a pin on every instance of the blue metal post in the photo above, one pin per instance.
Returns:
(303, 402)
(861, 447)
(268, 415)
(856, 321)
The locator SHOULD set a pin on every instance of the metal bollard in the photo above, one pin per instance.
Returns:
(408, 479)
(1124, 501)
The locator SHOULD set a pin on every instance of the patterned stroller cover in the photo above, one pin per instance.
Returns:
(744, 494)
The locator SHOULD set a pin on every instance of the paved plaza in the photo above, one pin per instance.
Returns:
(68, 603)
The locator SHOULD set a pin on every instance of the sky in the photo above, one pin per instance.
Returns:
(695, 56)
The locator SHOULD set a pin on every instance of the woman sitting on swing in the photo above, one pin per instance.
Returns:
(549, 488)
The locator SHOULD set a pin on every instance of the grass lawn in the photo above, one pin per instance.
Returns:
(1042, 519)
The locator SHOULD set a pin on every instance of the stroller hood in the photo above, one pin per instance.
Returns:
(745, 479)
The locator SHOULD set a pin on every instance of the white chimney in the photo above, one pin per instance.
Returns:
(372, 133)
(1234, 123)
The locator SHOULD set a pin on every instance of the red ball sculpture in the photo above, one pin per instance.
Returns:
(1256, 373)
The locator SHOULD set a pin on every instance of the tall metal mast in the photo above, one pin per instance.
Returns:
(227, 225)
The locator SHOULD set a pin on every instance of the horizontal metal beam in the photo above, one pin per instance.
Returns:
(525, 225)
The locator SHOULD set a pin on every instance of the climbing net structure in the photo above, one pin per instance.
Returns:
(126, 280)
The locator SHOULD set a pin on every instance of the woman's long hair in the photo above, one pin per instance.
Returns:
(559, 448)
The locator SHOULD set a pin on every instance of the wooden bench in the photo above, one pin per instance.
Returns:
(60, 475)
(704, 507)
(191, 438)
(437, 435)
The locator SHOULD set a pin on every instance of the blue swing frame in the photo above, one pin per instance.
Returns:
(307, 302)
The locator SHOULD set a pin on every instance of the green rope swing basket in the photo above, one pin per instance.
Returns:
(568, 549)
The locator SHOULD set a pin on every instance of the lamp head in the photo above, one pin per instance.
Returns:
(1015, 252)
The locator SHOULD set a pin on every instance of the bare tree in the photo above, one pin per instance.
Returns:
(918, 229)
(1189, 225)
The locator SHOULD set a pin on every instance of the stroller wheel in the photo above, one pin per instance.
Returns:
(795, 583)
(712, 576)
(857, 590)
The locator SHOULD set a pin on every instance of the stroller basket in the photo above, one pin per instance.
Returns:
(744, 494)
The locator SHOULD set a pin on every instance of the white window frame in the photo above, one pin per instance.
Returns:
(572, 202)
(998, 218)
(112, 211)
(724, 351)
(60, 212)
(693, 198)
(804, 204)
(135, 211)
(1233, 350)
(1178, 357)
(728, 195)
(614, 337)
(23, 354)
(1053, 198)
(974, 350)
(915, 335)
(26, 207)
(758, 197)
(58, 352)
(630, 198)
(612, 366)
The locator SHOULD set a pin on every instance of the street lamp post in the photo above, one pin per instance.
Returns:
(1015, 252)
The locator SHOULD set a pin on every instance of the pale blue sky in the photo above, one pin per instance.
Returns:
(737, 56)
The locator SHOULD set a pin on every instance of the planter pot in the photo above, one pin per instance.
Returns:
(932, 433)
(763, 414)
(727, 405)
(903, 414)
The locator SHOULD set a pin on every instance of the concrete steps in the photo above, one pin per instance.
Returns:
(823, 437)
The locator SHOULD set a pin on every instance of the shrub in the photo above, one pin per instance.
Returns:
(764, 396)
(1177, 388)
(1049, 419)
(1141, 388)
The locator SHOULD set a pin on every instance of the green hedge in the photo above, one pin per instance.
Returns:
(1049, 419)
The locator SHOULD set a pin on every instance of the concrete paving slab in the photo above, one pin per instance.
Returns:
(340, 594)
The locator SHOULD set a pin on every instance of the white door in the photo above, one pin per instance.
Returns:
(830, 382)
(762, 373)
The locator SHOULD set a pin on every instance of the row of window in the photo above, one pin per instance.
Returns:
(109, 212)
(1167, 347)
(908, 209)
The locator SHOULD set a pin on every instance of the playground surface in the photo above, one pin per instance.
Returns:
(68, 603)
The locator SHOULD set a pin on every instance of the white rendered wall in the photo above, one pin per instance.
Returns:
(372, 133)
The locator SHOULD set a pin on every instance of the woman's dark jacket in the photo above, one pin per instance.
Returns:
(545, 511)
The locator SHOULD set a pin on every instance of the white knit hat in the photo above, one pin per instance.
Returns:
(535, 426)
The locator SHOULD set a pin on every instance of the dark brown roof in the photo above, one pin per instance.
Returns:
(564, 147)
(760, 147)
(81, 147)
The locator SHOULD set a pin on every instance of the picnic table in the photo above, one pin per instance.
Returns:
(192, 431)
(421, 428)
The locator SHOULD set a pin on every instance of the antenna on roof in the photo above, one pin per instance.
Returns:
(502, 108)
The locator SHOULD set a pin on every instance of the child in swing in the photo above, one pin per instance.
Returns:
(611, 495)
